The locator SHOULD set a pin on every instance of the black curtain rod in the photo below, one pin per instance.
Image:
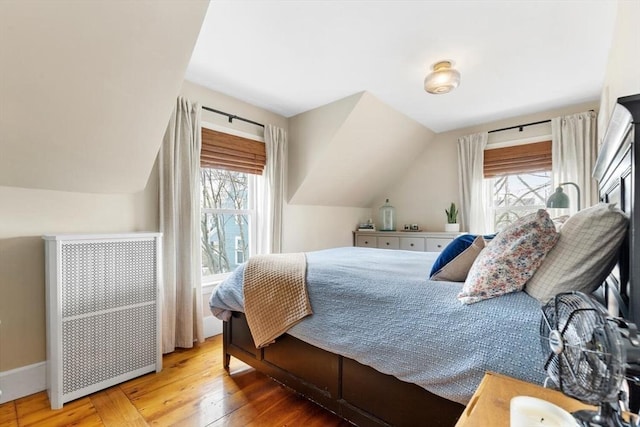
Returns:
(232, 117)
(520, 127)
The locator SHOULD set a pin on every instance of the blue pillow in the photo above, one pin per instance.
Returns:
(453, 249)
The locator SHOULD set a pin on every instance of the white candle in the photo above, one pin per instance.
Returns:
(531, 412)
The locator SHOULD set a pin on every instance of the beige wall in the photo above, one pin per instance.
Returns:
(342, 154)
(350, 149)
(431, 183)
(309, 228)
(623, 69)
(312, 132)
(27, 214)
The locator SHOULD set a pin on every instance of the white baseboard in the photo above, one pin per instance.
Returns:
(30, 379)
(23, 381)
(212, 326)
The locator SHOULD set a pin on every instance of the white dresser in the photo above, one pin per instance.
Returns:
(423, 241)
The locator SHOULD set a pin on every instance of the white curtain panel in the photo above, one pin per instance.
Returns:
(181, 293)
(473, 188)
(574, 151)
(271, 192)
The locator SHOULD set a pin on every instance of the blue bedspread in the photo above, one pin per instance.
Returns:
(378, 307)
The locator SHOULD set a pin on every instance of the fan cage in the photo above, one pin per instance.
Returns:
(589, 364)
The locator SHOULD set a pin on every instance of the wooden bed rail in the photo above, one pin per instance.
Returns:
(355, 392)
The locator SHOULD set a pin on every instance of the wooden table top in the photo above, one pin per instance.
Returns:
(490, 404)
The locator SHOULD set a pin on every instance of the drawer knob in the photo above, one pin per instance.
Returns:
(387, 243)
(366, 242)
(439, 246)
(411, 245)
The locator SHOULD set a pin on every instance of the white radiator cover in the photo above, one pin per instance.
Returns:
(103, 314)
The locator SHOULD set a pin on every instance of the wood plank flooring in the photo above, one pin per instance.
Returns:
(192, 390)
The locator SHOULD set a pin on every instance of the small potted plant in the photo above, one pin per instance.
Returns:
(452, 219)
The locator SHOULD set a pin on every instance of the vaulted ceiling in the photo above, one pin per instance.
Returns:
(87, 88)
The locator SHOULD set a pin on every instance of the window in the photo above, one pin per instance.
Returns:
(517, 195)
(226, 220)
(229, 167)
(520, 181)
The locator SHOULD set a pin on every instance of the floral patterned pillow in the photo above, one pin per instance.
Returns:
(510, 259)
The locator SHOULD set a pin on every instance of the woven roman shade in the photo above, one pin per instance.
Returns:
(516, 159)
(224, 151)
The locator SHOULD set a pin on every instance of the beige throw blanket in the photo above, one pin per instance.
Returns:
(275, 295)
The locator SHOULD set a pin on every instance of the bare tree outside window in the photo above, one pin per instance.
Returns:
(225, 219)
(515, 196)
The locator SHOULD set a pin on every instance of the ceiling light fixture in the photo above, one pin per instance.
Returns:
(443, 79)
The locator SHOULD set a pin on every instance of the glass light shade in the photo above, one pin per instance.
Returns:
(443, 79)
(558, 200)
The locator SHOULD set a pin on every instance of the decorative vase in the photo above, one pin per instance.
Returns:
(387, 217)
(454, 228)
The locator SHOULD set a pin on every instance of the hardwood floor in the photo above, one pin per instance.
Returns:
(192, 390)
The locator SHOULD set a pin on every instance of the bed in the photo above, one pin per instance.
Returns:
(329, 357)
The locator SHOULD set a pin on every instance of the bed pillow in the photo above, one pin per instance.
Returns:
(585, 254)
(454, 262)
(452, 250)
(455, 248)
(510, 259)
(559, 221)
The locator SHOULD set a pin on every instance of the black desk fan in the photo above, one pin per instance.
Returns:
(589, 353)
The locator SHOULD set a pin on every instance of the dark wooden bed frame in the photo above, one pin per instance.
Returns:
(617, 171)
(367, 397)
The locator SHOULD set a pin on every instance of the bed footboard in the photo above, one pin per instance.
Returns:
(355, 392)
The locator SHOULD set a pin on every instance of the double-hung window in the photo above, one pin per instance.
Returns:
(520, 180)
(229, 169)
(227, 219)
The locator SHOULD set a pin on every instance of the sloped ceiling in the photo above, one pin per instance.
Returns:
(346, 152)
(516, 57)
(87, 88)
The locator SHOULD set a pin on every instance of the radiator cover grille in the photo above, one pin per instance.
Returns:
(102, 275)
(105, 346)
(102, 312)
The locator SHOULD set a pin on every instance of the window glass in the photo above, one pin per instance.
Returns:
(226, 221)
(517, 195)
(241, 250)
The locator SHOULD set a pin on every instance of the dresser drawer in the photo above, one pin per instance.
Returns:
(437, 244)
(367, 241)
(412, 244)
(388, 242)
(431, 241)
